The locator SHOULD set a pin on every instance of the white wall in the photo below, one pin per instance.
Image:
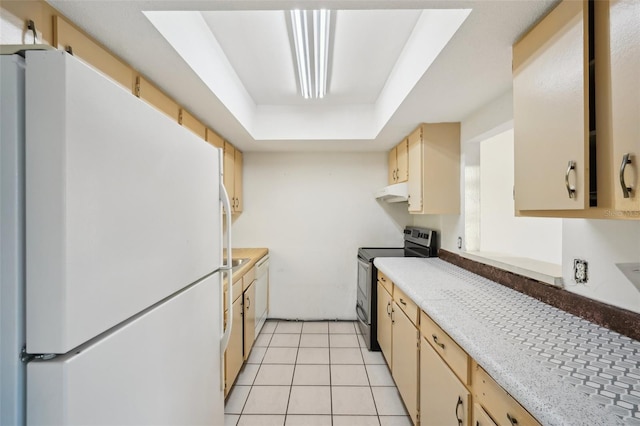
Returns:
(500, 230)
(603, 243)
(312, 211)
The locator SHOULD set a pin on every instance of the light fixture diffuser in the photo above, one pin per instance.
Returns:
(311, 31)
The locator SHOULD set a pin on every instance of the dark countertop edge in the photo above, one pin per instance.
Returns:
(612, 317)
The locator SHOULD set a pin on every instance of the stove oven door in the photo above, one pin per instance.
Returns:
(363, 307)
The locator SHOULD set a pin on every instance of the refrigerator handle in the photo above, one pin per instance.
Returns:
(228, 269)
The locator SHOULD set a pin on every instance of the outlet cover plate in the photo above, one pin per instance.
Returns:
(580, 271)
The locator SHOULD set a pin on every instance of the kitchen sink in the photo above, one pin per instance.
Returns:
(238, 262)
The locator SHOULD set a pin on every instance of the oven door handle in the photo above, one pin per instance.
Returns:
(358, 311)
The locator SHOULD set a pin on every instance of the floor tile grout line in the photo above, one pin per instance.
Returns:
(331, 384)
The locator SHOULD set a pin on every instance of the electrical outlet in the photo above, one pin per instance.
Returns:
(580, 271)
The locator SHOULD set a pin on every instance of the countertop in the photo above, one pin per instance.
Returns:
(253, 254)
(563, 369)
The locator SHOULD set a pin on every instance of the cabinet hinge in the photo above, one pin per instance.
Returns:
(180, 116)
(136, 89)
(26, 357)
(69, 50)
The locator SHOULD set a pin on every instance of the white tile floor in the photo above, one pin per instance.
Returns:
(314, 374)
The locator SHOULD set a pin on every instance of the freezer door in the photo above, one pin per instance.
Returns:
(162, 368)
(122, 204)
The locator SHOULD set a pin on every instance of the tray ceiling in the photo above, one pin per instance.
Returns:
(377, 91)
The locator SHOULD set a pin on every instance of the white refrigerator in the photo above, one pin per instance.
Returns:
(112, 254)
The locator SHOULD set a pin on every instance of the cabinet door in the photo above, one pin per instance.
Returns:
(237, 181)
(233, 355)
(228, 171)
(415, 171)
(405, 360)
(497, 402)
(67, 36)
(154, 96)
(402, 161)
(551, 107)
(214, 139)
(190, 122)
(384, 323)
(480, 417)
(393, 165)
(443, 399)
(624, 45)
(249, 319)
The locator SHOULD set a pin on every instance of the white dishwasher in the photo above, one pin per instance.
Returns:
(262, 292)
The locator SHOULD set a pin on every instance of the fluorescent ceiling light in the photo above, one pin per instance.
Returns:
(193, 39)
(311, 30)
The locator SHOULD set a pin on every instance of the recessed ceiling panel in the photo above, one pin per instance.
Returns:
(367, 45)
(245, 58)
(256, 44)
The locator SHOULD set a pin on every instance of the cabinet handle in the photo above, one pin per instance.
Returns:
(383, 279)
(388, 306)
(458, 404)
(626, 190)
(512, 420)
(248, 303)
(435, 339)
(571, 190)
(392, 320)
(403, 302)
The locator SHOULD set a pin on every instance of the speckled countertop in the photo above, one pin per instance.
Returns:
(564, 370)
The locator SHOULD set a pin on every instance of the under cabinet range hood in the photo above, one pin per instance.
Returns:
(394, 193)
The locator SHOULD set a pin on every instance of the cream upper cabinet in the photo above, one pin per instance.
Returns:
(237, 185)
(232, 172)
(214, 139)
(434, 169)
(404, 355)
(384, 322)
(399, 163)
(551, 111)
(622, 123)
(576, 116)
(443, 399)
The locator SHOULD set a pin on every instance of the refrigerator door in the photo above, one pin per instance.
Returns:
(12, 370)
(156, 369)
(122, 204)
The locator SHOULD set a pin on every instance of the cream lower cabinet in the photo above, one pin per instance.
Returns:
(233, 356)
(384, 322)
(437, 380)
(404, 355)
(502, 408)
(480, 417)
(444, 400)
(249, 320)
